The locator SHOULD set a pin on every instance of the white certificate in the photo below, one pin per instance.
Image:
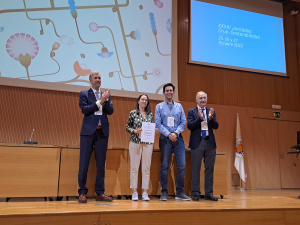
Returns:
(148, 132)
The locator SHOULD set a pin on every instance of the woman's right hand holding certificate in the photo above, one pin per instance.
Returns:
(138, 131)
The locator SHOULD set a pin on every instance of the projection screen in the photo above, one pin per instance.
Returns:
(238, 34)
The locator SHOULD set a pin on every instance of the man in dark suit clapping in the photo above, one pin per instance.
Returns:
(95, 106)
(201, 121)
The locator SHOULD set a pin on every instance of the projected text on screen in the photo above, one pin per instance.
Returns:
(237, 38)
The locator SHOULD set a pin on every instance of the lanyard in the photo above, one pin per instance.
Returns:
(169, 109)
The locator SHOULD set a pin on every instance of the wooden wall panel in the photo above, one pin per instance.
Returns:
(57, 119)
(193, 218)
(175, 217)
(267, 169)
(297, 25)
(57, 219)
(292, 41)
(27, 171)
(287, 137)
(54, 115)
(291, 216)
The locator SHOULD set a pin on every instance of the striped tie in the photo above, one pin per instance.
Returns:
(97, 93)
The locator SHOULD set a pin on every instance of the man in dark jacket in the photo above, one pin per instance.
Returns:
(201, 121)
(95, 105)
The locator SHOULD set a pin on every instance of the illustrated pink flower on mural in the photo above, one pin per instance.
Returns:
(157, 72)
(66, 40)
(22, 43)
(93, 26)
(158, 3)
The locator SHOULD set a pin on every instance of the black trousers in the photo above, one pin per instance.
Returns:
(87, 144)
(209, 155)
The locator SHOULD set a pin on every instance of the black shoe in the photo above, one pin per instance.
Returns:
(210, 197)
(196, 198)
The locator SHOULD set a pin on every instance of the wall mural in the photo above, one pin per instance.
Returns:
(127, 41)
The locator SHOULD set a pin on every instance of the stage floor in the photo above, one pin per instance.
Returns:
(247, 207)
(235, 200)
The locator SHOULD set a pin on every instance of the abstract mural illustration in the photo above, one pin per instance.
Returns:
(62, 41)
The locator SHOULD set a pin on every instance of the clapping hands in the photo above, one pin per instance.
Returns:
(105, 96)
(211, 113)
(200, 113)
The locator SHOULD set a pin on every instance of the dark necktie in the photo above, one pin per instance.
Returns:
(203, 131)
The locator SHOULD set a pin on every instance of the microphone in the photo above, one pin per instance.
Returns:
(31, 134)
(30, 142)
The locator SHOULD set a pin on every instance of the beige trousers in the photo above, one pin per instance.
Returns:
(136, 151)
